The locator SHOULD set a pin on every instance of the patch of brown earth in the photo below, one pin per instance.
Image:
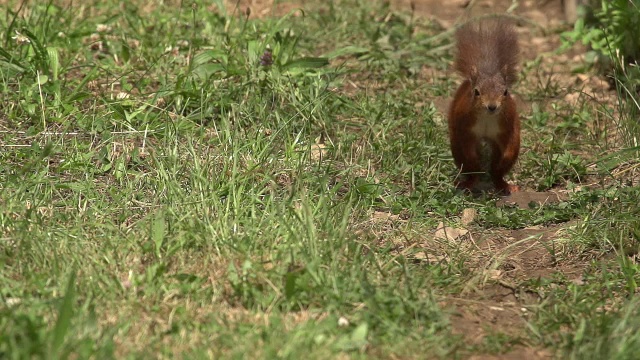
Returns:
(477, 319)
(498, 301)
(262, 8)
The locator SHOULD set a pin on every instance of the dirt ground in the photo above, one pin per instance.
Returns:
(504, 258)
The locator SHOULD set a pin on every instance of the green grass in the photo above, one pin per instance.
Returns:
(165, 194)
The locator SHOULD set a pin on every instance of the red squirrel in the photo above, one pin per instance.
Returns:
(482, 109)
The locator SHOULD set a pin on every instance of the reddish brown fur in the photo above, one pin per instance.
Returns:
(482, 108)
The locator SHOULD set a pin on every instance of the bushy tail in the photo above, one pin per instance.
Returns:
(487, 47)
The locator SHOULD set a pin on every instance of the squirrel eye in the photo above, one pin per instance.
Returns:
(476, 92)
(506, 92)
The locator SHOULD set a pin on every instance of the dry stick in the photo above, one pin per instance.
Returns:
(44, 121)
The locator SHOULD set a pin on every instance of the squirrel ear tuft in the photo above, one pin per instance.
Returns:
(473, 74)
(508, 74)
(505, 73)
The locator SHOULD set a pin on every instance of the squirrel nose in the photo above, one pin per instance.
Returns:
(492, 107)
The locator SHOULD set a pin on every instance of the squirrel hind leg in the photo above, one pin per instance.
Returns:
(466, 156)
(468, 184)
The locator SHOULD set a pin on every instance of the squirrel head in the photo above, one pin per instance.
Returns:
(489, 91)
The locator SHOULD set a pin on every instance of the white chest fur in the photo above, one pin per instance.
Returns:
(486, 126)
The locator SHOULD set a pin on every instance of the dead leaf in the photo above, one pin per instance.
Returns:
(381, 217)
(494, 274)
(318, 151)
(572, 98)
(449, 233)
(578, 281)
(581, 78)
(468, 215)
(430, 258)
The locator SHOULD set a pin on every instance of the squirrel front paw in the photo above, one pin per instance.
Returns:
(506, 188)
